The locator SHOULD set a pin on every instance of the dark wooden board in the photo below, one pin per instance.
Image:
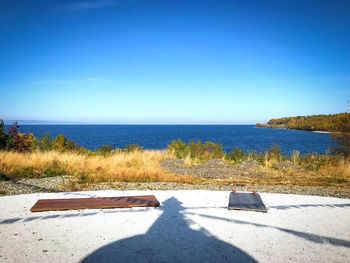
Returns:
(246, 201)
(93, 203)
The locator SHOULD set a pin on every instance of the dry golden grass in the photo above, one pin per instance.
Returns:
(327, 176)
(144, 167)
(333, 181)
(120, 166)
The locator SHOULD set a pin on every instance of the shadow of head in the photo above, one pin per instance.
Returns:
(170, 239)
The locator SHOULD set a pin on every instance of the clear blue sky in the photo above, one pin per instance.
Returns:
(173, 62)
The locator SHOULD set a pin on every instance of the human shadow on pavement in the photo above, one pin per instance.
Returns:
(307, 236)
(170, 239)
(285, 207)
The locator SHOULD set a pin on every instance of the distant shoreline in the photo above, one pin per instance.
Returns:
(332, 123)
(325, 132)
(282, 128)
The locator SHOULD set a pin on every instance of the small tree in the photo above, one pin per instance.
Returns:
(46, 142)
(214, 150)
(105, 149)
(237, 155)
(178, 148)
(4, 137)
(342, 138)
(19, 141)
(24, 142)
(13, 130)
(195, 150)
(133, 148)
(59, 143)
(35, 142)
(71, 146)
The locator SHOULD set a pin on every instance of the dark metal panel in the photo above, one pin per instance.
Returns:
(246, 201)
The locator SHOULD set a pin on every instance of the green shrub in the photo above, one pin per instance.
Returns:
(342, 141)
(46, 142)
(83, 179)
(105, 150)
(35, 142)
(4, 137)
(23, 142)
(275, 153)
(336, 180)
(52, 172)
(59, 144)
(178, 148)
(196, 150)
(13, 133)
(26, 172)
(133, 148)
(71, 146)
(214, 150)
(86, 152)
(314, 162)
(18, 141)
(237, 156)
(257, 156)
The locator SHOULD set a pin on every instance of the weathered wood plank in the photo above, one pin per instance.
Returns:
(95, 203)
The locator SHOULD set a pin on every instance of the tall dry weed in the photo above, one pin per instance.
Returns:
(120, 166)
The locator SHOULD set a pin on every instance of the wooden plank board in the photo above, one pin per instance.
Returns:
(246, 201)
(93, 203)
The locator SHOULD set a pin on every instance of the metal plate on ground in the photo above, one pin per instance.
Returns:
(246, 201)
(94, 203)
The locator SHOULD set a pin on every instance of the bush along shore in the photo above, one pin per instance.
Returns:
(28, 165)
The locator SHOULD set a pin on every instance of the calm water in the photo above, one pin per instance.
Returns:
(246, 137)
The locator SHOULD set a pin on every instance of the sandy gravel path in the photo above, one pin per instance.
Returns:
(189, 226)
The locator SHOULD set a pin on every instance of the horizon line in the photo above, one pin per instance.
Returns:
(134, 124)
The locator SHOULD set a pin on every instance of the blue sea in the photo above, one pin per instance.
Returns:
(246, 137)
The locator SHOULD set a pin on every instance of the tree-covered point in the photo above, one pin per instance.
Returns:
(331, 123)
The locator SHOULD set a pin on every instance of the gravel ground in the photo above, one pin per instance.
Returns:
(189, 226)
(215, 168)
(27, 186)
(61, 183)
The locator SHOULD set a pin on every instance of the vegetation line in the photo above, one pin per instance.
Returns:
(25, 156)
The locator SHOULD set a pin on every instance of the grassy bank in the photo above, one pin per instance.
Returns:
(144, 166)
(137, 166)
(337, 176)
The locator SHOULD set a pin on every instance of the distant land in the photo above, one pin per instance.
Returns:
(328, 123)
(38, 122)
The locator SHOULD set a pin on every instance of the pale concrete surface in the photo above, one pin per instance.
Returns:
(189, 226)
